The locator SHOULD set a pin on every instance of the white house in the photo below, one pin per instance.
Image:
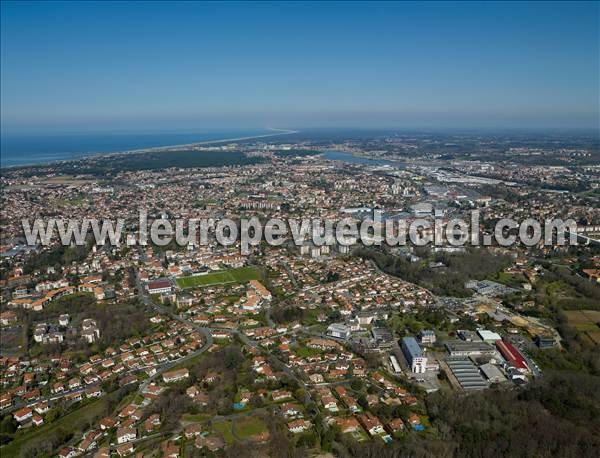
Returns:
(298, 426)
(126, 435)
(22, 415)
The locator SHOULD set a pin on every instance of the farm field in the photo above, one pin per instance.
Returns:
(586, 322)
(219, 277)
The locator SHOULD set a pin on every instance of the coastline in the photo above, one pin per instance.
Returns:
(208, 142)
(153, 149)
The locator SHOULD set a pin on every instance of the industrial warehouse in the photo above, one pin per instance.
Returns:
(474, 362)
(466, 373)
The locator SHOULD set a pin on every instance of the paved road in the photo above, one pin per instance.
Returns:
(208, 339)
(113, 447)
(287, 268)
(53, 397)
(145, 298)
(162, 369)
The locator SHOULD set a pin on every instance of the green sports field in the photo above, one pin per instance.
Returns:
(219, 277)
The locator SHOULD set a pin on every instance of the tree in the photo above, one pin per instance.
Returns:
(53, 414)
(9, 425)
(356, 384)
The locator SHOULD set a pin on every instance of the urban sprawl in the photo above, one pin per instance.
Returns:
(203, 350)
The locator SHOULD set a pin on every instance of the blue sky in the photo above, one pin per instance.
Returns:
(95, 66)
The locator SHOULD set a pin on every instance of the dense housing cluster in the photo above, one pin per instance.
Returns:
(185, 350)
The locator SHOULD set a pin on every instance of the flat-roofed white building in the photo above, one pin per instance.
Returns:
(488, 336)
(395, 366)
(492, 373)
(341, 331)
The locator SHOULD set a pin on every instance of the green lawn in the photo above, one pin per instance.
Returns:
(248, 427)
(190, 362)
(305, 352)
(224, 427)
(240, 275)
(244, 428)
(195, 418)
(512, 280)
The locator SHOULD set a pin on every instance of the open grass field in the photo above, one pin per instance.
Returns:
(219, 277)
(248, 427)
(305, 352)
(195, 418)
(583, 320)
(586, 322)
(12, 341)
(512, 280)
(594, 337)
(224, 427)
(240, 429)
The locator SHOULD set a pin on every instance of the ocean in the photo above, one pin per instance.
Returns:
(16, 150)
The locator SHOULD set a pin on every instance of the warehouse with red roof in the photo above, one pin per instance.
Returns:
(512, 355)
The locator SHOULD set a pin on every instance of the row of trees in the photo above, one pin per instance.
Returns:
(475, 264)
(557, 415)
